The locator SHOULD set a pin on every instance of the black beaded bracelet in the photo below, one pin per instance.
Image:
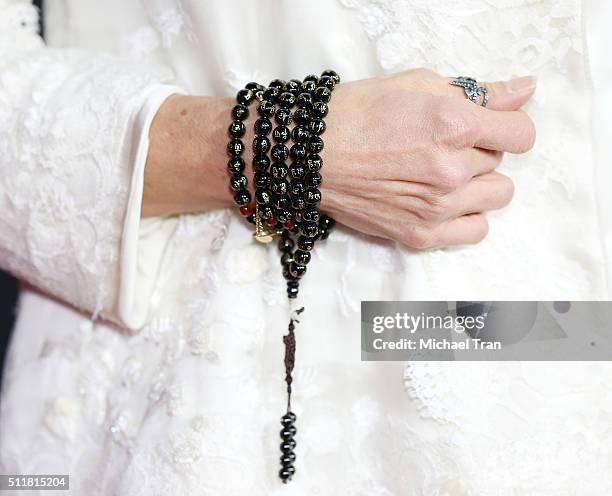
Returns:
(286, 197)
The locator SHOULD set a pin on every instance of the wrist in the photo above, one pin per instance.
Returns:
(186, 165)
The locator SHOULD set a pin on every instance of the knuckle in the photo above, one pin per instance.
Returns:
(453, 126)
(448, 178)
(419, 238)
(435, 209)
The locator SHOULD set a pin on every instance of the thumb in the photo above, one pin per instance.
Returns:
(511, 95)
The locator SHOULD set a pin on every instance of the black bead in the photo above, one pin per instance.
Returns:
(327, 222)
(286, 99)
(242, 197)
(305, 100)
(298, 202)
(254, 86)
(311, 214)
(326, 82)
(301, 116)
(265, 211)
(315, 144)
(261, 162)
(277, 83)
(235, 148)
(320, 109)
(309, 229)
(279, 153)
(301, 257)
(287, 458)
(235, 164)
(272, 94)
(288, 432)
(282, 116)
(297, 170)
(281, 134)
(279, 186)
(245, 97)
(263, 125)
(261, 144)
(292, 292)
(333, 74)
(287, 445)
(297, 186)
(316, 126)
(279, 169)
(289, 416)
(282, 202)
(311, 77)
(286, 245)
(305, 243)
(237, 129)
(251, 219)
(297, 270)
(263, 197)
(266, 108)
(287, 275)
(309, 86)
(322, 94)
(240, 112)
(313, 179)
(313, 196)
(323, 233)
(283, 215)
(293, 86)
(293, 283)
(286, 473)
(238, 182)
(262, 179)
(286, 258)
(300, 134)
(314, 162)
(298, 151)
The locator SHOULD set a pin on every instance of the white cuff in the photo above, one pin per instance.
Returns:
(143, 241)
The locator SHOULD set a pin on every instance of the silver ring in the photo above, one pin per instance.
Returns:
(472, 90)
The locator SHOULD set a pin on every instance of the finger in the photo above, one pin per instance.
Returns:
(465, 230)
(481, 161)
(504, 95)
(490, 191)
(506, 131)
(511, 95)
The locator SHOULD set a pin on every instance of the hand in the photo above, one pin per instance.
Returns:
(407, 157)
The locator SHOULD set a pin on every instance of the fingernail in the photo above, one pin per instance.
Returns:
(523, 84)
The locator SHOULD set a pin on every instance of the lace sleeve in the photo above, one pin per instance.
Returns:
(70, 124)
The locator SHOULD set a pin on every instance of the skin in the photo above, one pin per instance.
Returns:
(407, 157)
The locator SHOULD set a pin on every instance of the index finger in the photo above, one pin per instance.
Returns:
(502, 130)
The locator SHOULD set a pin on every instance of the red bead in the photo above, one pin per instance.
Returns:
(289, 224)
(247, 209)
(272, 221)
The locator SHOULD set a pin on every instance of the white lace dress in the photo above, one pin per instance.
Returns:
(183, 396)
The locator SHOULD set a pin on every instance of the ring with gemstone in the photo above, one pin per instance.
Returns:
(472, 90)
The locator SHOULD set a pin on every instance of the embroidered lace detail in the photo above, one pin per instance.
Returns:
(66, 170)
